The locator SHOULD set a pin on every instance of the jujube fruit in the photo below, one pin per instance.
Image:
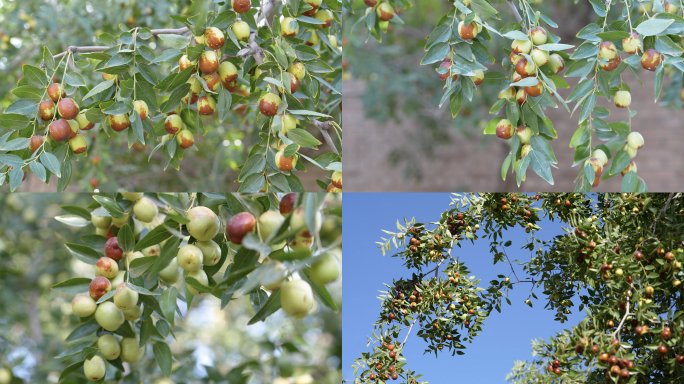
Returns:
(269, 103)
(109, 346)
(112, 249)
(67, 108)
(325, 269)
(185, 139)
(287, 203)
(201, 277)
(126, 298)
(83, 306)
(213, 38)
(60, 130)
(296, 298)
(269, 221)
(211, 252)
(204, 224)
(133, 313)
(99, 286)
(119, 122)
(109, 316)
(239, 226)
(208, 62)
(94, 368)
(55, 91)
(190, 257)
(107, 267)
(130, 351)
(286, 26)
(145, 210)
(140, 107)
(46, 110)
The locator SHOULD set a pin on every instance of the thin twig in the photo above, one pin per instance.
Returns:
(617, 330)
(515, 10)
(155, 32)
(323, 127)
(410, 329)
(667, 203)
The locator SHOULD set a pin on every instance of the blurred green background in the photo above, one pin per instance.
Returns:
(27, 25)
(35, 321)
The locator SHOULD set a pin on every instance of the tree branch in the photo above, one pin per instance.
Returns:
(155, 32)
(323, 127)
(667, 204)
(617, 330)
(514, 10)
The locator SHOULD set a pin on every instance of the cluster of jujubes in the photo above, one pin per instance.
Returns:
(64, 120)
(113, 296)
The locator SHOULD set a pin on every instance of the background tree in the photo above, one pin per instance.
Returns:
(620, 258)
(231, 135)
(210, 340)
(489, 53)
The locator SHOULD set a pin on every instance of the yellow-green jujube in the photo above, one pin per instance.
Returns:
(204, 224)
(211, 252)
(109, 346)
(296, 298)
(325, 269)
(109, 316)
(130, 351)
(94, 368)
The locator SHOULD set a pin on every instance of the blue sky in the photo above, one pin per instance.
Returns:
(506, 336)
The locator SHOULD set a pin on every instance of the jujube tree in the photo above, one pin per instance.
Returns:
(627, 36)
(232, 59)
(620, 257)
(149, 251)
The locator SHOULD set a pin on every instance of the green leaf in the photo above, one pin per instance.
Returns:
(167, 303)
(319, 290)
(83, 330)
(653, 27)
(74, 350)
(630, 182)
(83, 253)
(141, 290)
(26, 107)
(155, 236)
(126, 238)
(73, 286)
(139, 266)
(252, 184)
(35, 76)
(613, 35)
(191, 281)
(162, 353)
(175, 41)
(70, 369)
(99, 88)
(271, 305)
(13, 121)
(620, 162)
(73, 220)
(51, 163)
(110, 205)
(16, 144)
(436, 53)
(302, 137)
